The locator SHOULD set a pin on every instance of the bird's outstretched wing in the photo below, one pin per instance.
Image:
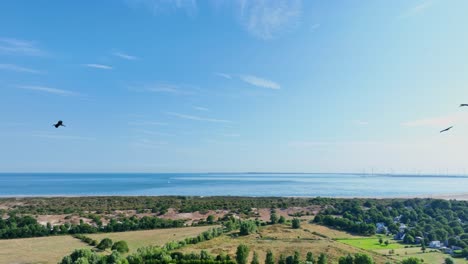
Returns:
(445, 130)
(461, 105)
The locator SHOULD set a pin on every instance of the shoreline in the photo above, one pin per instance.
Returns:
(448, 196)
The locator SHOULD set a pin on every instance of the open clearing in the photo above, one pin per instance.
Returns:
(428, 257)
(157, 237)
(281, 239)
(53, 249)
(371, 243)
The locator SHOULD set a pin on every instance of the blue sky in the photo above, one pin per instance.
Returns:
(204, 86)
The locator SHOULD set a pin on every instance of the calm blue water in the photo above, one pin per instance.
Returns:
(329, 185)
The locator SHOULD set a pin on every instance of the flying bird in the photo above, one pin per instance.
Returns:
(447, 129)
(463, 105)
(59, 123)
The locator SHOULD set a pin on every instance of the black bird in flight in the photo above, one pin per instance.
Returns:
(59, 123)
(447, 129)
(463, 105)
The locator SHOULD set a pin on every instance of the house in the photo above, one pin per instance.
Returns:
(457, 248)
(418, 239)
(402, 227)
(381, 228)
(399, 236)
(446, 250)
(435, 244)
(397, 219)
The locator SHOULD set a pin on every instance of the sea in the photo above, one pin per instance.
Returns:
(229, 184)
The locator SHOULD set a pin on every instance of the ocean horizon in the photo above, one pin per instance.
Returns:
(253, 184)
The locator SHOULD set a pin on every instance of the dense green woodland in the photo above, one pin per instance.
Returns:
(442, 220)
(27, 226)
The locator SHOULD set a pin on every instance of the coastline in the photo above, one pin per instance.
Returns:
(448, 196)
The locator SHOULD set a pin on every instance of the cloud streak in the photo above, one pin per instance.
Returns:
(451, 119)
(266, 19)
(124, 56)
(16, 68)
(57, 136)
(198, 118)
(161, 6)
(418, 9)
(19, 47)
(98, 66)
(224, 75)
(48, 90)
(260, 82)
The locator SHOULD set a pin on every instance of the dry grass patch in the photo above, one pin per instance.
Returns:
(282, 239)
(38, 250)
(157, 237)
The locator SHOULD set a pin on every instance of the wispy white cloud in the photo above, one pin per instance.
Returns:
(161, 6)
(147, 143)
(98, 66)
(267, 19)
(224, 75)
(260, 82)
(59, 136)
(417, 9)
(145, 123)
(153, 133)
(360, 122)
(19, 47)
(162, 87)
(47, 90)
(198, 118)
(438, 121)
(199, 108)
(315, 27)
(16, 68)
(316, 144)
(124, 55)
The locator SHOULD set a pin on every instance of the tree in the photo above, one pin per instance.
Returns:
(297, 258)
(296, 223)
(411, 260)
(242, 254)
(210, 219)
(310, 258)
(449, 261)
(423, 248)
(269, 258)
(362, 259)
(282, 220)
(120, 246)
(409, 239)
(281, 259)
(289, 260)
(105, 244)
(346, 260)
(247, 227)
(273, 218)
(322, 259)
(380, 240)
(255, 258)
(386, 242)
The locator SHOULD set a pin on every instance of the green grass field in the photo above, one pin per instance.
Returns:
(371, 243)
